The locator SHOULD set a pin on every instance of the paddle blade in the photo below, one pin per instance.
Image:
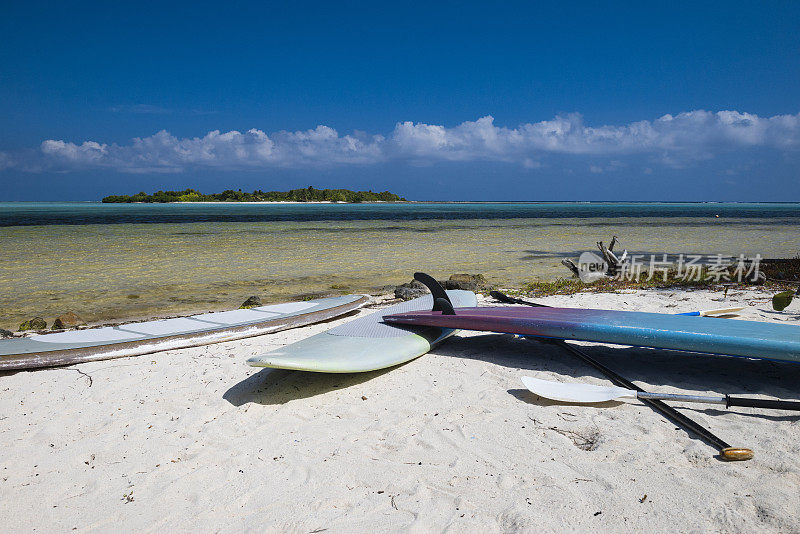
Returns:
(711, 313)
(581, 393)
(721, 311)
(781, 300)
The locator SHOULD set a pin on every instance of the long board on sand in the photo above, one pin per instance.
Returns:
(750, 339)
(133, 339)
(364, 344)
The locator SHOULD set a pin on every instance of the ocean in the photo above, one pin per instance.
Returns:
(115, 262)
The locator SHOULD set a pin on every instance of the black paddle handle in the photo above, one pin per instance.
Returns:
(762, 403)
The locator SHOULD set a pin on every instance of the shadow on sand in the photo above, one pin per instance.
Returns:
(651, 367)
(279, 386)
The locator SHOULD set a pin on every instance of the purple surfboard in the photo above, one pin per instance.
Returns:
(750, 339)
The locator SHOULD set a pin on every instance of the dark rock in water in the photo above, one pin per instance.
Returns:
(37, 323)
(251, 302)
(67, 320)
(5, 333)
(468, 282)
(411, 290)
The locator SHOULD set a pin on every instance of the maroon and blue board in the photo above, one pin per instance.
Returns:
(750, 339)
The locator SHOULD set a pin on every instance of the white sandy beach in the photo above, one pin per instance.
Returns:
(195, 440)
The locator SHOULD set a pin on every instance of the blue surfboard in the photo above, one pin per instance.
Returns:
(750, 339)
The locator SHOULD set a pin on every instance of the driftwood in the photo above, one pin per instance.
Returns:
(571, 266)
(616, 264)
(613, 261)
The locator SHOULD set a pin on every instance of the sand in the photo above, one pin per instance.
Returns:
(195, 440)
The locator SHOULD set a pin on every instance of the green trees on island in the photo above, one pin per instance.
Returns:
(308, 194)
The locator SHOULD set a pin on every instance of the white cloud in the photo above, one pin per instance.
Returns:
(5, 161)
(142, 109)
(164, 152)
(672, 140)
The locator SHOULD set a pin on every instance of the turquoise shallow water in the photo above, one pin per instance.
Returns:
(116, 262)
(65, 213)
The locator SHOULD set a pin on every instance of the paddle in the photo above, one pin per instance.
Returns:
(588, 393)
(704, 313)
(726, 452)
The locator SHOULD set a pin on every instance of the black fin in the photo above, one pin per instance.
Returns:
(443, 306)
(435, 288)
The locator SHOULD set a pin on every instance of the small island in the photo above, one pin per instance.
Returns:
(309, 194)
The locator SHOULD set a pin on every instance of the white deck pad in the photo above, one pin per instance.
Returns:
(98, 335)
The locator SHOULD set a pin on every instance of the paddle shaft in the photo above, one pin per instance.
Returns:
(703, 313)
(681, 398)
(727, 400)
(665, 410)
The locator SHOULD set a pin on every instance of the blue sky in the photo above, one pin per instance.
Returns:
(454, 100)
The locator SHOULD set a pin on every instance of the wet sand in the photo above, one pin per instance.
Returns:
(132, 271)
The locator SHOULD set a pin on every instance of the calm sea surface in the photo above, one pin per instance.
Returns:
(121, 261)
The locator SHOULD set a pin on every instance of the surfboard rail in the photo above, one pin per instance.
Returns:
(136, 339)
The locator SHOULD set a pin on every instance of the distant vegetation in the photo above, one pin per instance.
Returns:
(308, 194)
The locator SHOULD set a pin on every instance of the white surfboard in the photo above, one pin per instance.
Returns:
(133, 339)
(364, 344)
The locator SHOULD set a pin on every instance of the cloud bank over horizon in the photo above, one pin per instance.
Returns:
(674, 141)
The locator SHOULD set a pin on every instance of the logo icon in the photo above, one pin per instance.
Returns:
(591, 267)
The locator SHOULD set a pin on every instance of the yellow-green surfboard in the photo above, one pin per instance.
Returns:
(364, 344)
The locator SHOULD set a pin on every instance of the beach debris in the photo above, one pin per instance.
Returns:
(251, 302)
(585, 441)
(83, 374)
(780, 269)
(67, 320)
(37, 323)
